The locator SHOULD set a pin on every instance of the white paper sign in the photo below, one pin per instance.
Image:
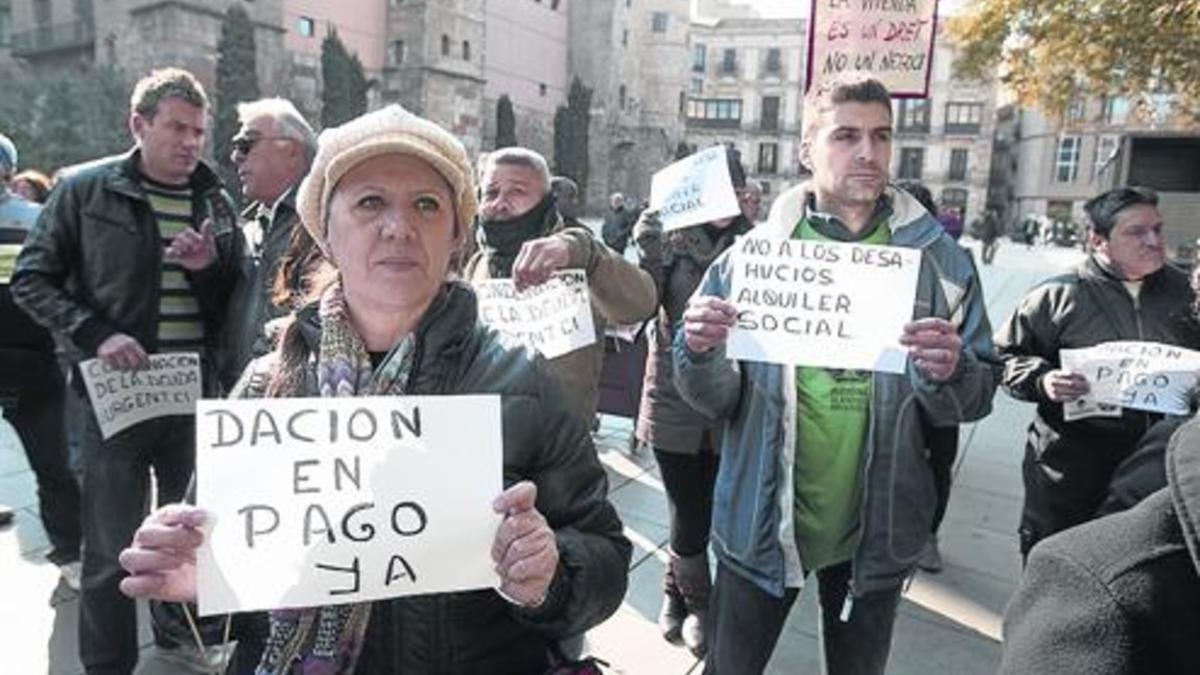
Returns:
(554, 318)
(1140, 375)
(825, 304)
(323, 501)
(169, 385)
(696, 189)
(890, 40)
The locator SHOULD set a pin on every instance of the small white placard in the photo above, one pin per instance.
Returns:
(824, 304)
(324, 501)
(169, 385)
(696, 189)
(1141, 375)
(554, 318)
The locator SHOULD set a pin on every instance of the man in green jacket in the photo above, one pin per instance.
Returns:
(133, 255)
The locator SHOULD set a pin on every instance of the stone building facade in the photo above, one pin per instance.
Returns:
(140, 35)
(526, 59)
(1063, 163)
(634, 56)
(435, 63)
(745, 89)
(945, 140)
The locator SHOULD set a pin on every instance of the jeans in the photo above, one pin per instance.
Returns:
(745, 622)
(35, 409)
(116, 491)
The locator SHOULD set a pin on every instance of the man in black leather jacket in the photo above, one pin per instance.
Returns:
(133, 255)
(1123, 291)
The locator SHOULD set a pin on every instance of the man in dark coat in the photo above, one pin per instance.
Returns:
(1123, 291)
(618, 223)
(272, 151)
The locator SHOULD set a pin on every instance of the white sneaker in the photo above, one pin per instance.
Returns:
(72, 574)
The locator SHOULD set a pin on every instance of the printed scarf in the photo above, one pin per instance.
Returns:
(328, 640)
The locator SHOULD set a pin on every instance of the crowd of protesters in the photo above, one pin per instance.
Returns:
(349, 271)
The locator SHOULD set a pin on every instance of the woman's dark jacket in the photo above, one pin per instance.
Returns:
(480, 632)
(665, 421)
(1119, 595)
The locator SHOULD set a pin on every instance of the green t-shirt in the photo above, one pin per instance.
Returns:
(832, 414)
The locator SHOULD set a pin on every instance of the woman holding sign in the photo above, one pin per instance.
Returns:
(389, 201)
(685, 442)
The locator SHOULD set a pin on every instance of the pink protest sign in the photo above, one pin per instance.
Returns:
(890, 40)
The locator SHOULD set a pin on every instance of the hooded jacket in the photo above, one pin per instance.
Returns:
(479, 632)
(1119, 595)
(753, 531)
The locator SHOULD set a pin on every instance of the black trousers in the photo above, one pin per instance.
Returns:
(943, 450)
(116, 491)
(34, 406)
(688, 480)
(1065, 485)
(745, 622)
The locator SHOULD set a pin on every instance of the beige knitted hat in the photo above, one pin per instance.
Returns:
(386, 131)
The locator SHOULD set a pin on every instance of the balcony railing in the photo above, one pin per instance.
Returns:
(54, 38)
(713, 123)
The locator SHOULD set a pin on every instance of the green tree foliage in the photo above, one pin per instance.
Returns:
(506, 123)
(1051, 51)
(344, 84)
(571, 135)
(237, 81)
(64, 117)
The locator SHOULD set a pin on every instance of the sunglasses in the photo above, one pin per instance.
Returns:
(242, 145)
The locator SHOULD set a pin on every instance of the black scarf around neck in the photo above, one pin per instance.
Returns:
(501, 240)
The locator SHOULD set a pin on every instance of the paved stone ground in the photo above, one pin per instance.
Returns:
(949, 623)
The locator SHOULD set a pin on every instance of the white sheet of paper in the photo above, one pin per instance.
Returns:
(554, 318)
(696, 189)
(1140, 375)
(170, 385)
(889, 41)
(826, 304)
(323, 501)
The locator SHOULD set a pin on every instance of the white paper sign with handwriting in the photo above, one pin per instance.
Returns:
(325, 501)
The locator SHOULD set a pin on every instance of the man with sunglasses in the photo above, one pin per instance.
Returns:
(272, 151)
(1123, 291)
